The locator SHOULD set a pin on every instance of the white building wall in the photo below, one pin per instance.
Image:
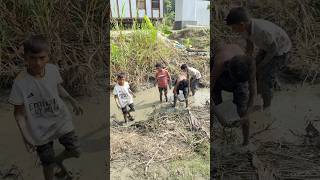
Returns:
(202, 13)
(178, 10)
(113, 6)
(148, 4)
(161, 8)
(185, 10)
(134, 8)
(124, 9)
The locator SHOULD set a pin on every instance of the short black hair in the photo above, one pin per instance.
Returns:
(121, 75)
(237, 15)
(35, 44)
(240, 68)
(184, 66)
(159, 65)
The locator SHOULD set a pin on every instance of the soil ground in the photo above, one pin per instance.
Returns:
(279, 140)
(159, 144)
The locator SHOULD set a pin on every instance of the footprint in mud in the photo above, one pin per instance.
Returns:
(74, 175)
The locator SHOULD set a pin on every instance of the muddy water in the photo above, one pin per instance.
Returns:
(147, 100)
(291, 110)
(90, 127)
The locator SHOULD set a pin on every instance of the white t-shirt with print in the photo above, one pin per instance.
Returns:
(47, 116)
(124, 96)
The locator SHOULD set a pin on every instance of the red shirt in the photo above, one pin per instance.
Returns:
(162, 78)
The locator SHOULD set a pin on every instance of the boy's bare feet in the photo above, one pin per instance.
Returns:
(63, 173)
(131, 118)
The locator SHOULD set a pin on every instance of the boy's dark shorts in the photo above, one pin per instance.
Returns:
(185, 91)
(267, 75)
(125, 109)
(240, 93)
(69, 141)
(165, 89)
(194, 83)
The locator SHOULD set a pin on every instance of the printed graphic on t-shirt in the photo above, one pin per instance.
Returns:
(43, 107)
(123, 96)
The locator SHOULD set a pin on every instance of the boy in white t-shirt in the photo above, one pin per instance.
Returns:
(123, 96)
(41, 114)
(193, 76)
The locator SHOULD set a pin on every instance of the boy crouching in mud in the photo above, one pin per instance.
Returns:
(41, 114)
(182, 84)
(274, 46)
(123, 97)
(193, 77)
(234, 72)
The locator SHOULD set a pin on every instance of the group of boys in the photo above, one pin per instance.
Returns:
(187, 81)
(236, 71)
(43, 117)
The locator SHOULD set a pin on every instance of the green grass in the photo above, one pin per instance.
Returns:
(135, 51)
(190, 169)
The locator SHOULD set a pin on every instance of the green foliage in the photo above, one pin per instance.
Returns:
(135, 51)
(187, 42)
(149, 28)
(190, 169)
(169, 13)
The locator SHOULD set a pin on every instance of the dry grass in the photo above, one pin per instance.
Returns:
(135, 51)
(165, 137)
(301, 20)
(75, 30)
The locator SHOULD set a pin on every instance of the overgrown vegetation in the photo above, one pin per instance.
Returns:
(195, 37)
(75, 30)
(301, 20)
(135, 51)
(165, 143)
(169, 12)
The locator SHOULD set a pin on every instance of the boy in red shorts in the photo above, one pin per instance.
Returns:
(163, 79)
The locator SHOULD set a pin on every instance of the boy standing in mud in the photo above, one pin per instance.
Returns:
(193, 76)
(273, 43)
(163, 79)
(182, 84)
(41, 114)
(234, 72)
(123, 97)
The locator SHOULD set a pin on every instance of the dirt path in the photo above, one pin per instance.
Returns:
(146, 100)
(90, 128)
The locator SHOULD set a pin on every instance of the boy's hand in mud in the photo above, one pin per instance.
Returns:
(238, 123)
(174, 91)
(77, 109)
(29, 147)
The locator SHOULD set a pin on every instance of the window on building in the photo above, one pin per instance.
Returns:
(141, 4)
(155, 4)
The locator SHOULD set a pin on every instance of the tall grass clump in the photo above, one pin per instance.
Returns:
(135, 51)
(76, 31)
(301, 20)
